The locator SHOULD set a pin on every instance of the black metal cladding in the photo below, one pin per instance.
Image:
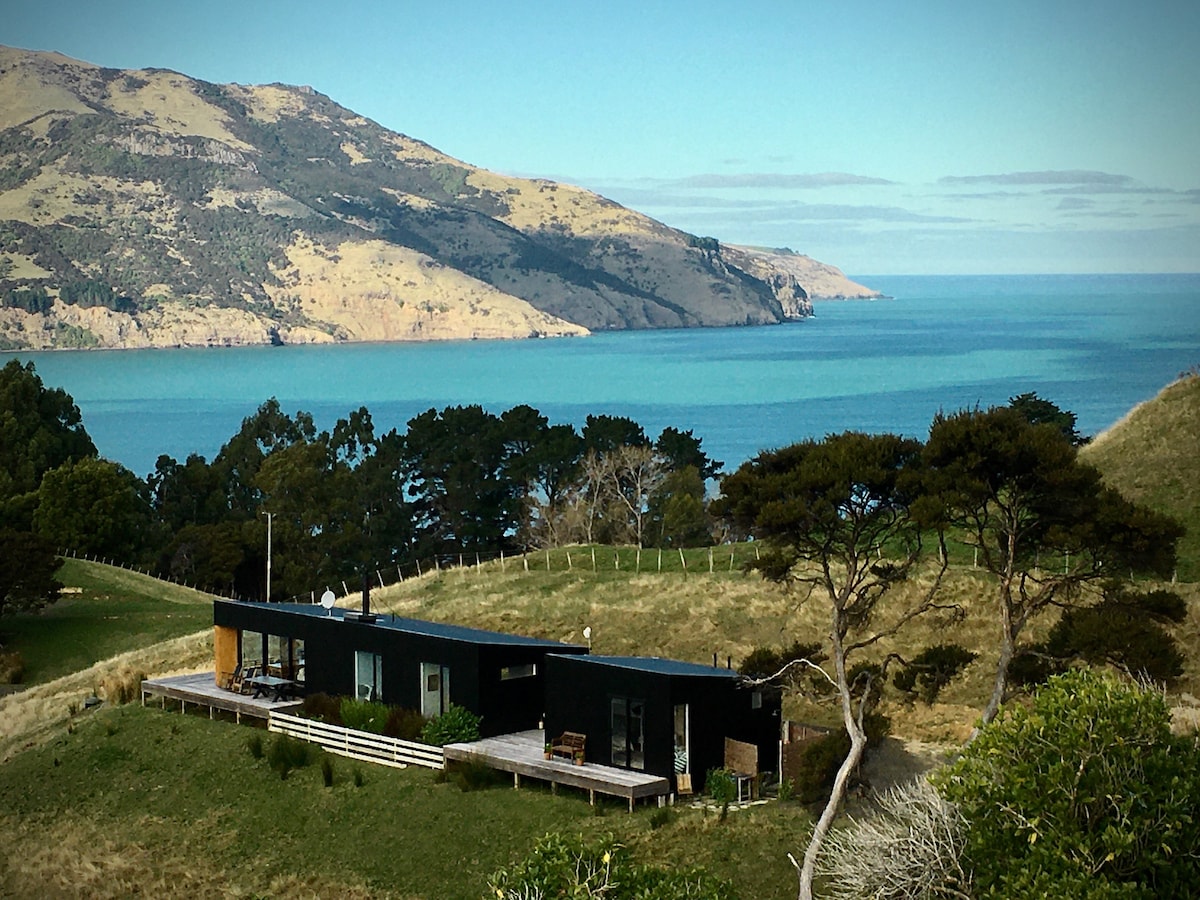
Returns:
(474, 658)
(580, 691)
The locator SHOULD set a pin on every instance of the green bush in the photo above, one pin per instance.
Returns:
(327, 771)
(720, 785)
(364, 715)
(255, 746)
(1083, 793)
(932, 669)
(456, 725)
(819, 763)
(287, 753)
(565, 866)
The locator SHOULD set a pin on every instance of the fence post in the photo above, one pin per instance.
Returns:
(568, 560)
(593, 559)
(660, 559)
(637, 563)
(710, 561)
(502, 566)
(682, 561)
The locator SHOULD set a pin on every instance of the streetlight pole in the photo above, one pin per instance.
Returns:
(269, 515)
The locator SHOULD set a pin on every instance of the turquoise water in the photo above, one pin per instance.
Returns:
(1094, 344)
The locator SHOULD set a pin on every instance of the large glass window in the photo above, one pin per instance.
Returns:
(628, 721)
(368, 675)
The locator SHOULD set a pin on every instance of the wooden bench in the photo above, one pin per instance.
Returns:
(568, 744)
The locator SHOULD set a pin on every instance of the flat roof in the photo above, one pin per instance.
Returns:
(658, 665)
(409, 626)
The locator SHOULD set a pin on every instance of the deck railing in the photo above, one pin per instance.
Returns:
(362, 745)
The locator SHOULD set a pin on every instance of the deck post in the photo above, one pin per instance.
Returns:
(516, 781)
(592, 796)
(631, 804)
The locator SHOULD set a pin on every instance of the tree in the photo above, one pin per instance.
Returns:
(239, 460)
(27, 567)
(97, 507)
(677, 514)
(1083, 793)
(836, 517)
(680, 449)
(604, 433)
(1038, 411)
(40, 429)
(1041, 521)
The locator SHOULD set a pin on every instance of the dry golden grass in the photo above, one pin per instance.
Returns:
(39, 713)
(693, 616)
(170, 102)
(374, 290)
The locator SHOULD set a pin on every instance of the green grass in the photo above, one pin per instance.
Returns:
(106, 611)
(132, 800)
(1152, 456)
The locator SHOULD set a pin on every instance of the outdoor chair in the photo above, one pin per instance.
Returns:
(244, 686)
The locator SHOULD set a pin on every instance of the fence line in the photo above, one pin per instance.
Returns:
(361, 745)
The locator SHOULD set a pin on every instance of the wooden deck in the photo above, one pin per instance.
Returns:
(522, 753)
(201, 690)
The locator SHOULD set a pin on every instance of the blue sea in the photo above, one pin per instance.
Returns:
(1096, 345)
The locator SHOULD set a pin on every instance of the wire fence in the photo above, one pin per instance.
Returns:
(597, 559)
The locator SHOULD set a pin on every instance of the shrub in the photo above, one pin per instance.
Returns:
(323, 708)
(470, 775)
(456, 725)
(820, 760)
(661, 817)
(720, 785)
(359, 781)
(286, 753)
(122, 685)
(912, 847)
(1084, 792)
(405, 724)
(12, 667)
(932, 669)
(562, 866)
(364, 715)
(255, 746)
(327, 771)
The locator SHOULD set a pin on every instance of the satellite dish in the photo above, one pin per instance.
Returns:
(327, 600)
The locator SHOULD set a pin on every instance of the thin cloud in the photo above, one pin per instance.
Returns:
(1107, 189)
(1064, 177)
(777, 180)
(1073, 204)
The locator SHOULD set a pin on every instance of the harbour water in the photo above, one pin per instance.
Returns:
(1096, 345)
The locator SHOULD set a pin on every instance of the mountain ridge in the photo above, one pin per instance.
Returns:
(145, 208)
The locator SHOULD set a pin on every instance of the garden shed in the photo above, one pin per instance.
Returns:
(660, 716)
(399, 661)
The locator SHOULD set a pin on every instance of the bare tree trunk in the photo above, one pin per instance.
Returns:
(858, 743)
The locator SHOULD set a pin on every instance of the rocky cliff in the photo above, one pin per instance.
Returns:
(146, 208)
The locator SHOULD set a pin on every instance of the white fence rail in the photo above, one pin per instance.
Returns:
(362, 745)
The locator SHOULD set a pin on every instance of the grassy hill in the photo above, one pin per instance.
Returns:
(147, 208)
(1152, 455)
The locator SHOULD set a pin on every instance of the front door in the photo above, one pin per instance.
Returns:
(435, 689)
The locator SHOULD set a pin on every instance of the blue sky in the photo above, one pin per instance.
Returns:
(882, 137)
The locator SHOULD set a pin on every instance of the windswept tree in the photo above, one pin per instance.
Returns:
(1041, 521)
(95, 506)
(837, 519)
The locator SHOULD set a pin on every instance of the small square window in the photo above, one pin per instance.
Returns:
(508, 673)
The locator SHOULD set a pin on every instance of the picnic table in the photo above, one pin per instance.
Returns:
(277, 687)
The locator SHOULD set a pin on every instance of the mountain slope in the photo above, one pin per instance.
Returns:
(146, 208)
(1150, 456)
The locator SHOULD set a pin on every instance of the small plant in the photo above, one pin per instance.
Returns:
(719, 785)
(110, 728)
(359, 781)
(287, 753)
(72, 709)
(660, 817)
(456, 725)
(255, 746)
(327, 771)
(787, 789)
(364, 715)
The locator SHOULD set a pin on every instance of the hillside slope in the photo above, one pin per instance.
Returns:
(147, 208)
(1151, 456)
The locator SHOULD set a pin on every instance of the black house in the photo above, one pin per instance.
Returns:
(403, 662)
(659, 716)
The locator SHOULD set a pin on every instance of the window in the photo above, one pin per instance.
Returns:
(628, 719)
(508, 673)
(368, 675)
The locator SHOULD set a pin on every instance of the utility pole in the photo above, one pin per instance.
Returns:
(269, 515)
